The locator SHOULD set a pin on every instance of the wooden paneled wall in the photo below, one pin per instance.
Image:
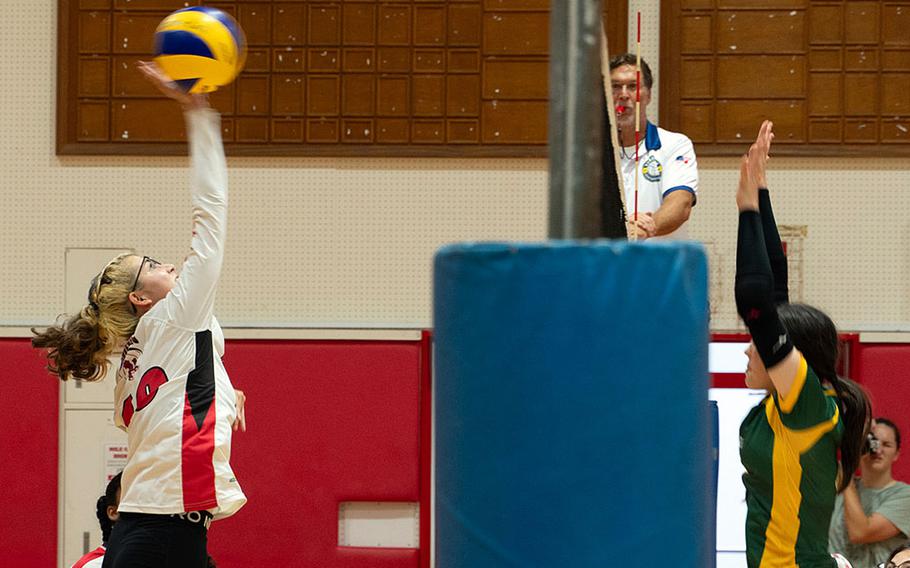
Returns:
(833, 75)
(411, 77)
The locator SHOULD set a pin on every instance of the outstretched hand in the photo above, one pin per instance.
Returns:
(167, 86)
(752, 169)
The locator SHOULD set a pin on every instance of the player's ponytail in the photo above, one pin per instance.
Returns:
(79, 346)
(815, 335)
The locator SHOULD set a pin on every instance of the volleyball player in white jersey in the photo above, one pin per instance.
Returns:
(173, 396)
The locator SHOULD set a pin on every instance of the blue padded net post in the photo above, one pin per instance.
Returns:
(572, 424)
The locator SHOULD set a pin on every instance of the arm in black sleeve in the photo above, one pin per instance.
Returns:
(754, 292)
(773, 246)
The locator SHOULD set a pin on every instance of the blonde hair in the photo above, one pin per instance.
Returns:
(79, 347)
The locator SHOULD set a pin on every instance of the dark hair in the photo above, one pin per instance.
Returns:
(815, 335)
(897, 433)
(898, 550)
(630, 59)
(109, 498)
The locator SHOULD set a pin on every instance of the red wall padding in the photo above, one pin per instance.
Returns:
(327, 422)
(884, 370)
(29, 410)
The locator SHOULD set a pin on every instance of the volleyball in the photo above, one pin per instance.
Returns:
(200, 48)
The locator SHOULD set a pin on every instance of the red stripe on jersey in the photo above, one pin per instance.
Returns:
(97, 553)
(197, 466)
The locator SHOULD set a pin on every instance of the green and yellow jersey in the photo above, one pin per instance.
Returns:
(789, 449)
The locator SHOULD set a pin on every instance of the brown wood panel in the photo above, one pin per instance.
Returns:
(896, 94)
(464, 25)
(737, 120)
(357, 131)
(359, 26)
(761, 76)
(323, 94)
(833, 75)
(861, 94)
(896, 131)
(825, 130)
(506, 79)
(288, 130)
(464, 131)
(699, 74)
(825, 94)
(94, 35)
(763, 4)
(893, 60)
(133, 33)
(394, 95)
(514, 122)
(322, 77)
(94, 76)
(516, 33)
(748, 32)
(697, 34)
(256, 21)
(861, 131)
(130, 121)
(462, 95)
(428, 95)
(698, 121)
(826, 59)
(289, 25)
(896, 25)
(861, 22)
(826, 24)
(93, 121)
(358, 95)
(288, 94)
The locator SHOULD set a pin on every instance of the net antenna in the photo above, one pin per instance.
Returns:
(614, 194)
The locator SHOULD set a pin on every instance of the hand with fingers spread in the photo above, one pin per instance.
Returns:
(167, 86)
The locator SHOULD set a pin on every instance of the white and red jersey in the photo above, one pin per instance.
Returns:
(93, 559)
(173, 395)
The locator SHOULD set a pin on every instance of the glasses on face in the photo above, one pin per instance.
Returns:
(905, 564)
(152, 264)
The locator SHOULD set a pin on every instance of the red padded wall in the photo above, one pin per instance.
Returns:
(328, 421)
(884, 370)
(29, 410)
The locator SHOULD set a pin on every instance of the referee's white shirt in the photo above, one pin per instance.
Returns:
(667, 164)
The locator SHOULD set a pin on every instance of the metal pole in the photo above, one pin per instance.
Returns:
(576, 119)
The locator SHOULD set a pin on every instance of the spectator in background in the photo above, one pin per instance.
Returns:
(106, 510)
(872, 516)
(899, 558)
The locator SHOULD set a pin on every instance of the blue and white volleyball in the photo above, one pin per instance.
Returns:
(200, 48)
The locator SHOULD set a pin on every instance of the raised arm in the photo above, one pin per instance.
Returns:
(755, 286)
(192, 299)
(773, 246)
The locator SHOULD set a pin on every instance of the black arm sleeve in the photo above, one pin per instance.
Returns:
(754, 292)
(773, 246)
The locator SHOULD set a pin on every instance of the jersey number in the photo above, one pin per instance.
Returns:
(148, 387)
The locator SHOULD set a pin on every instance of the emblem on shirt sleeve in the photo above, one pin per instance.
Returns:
(651, 169)
(129, 360)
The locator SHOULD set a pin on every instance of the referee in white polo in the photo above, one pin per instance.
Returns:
(667, 171)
